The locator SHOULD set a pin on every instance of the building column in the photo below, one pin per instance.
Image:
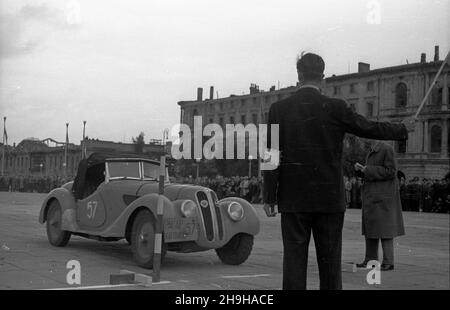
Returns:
(444, 106)
(427, 84)
(444, 144)
(425, 136)
(445, 93)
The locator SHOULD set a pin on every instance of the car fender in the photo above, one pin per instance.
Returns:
(249, 224)
(149, 202)
(68, 208)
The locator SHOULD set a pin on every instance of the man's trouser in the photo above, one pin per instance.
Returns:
(372, 250)
(327, 232)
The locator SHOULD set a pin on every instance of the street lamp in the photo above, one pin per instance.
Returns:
(40, 167)
(165, 135)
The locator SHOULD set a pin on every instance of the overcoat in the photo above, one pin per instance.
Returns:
(382, 209)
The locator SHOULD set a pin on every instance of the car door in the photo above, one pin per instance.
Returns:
(91, 211)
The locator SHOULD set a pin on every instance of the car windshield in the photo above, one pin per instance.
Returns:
(124, 170)
(151, 171)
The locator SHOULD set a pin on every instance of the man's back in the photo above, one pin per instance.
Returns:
(312, 128)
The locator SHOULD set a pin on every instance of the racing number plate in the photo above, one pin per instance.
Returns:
(179, 229)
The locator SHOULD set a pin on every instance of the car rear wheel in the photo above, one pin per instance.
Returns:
(237, 250)
(56, 236)
(143, 240)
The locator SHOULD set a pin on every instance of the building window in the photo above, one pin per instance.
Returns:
(255, 118)
(436, 96)
(370, 86)
(369, 109)
(353, 88)
(221, 122)
(401, 146)
(401, 95)
(211, 121)
(231, 119)
(266, 117)
(336, 90)
(221, 106)
(243, 119)
(436, 139)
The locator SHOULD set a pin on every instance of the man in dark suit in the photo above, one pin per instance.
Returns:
(308, 184)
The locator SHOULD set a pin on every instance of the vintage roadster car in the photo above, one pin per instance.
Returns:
(115, 197)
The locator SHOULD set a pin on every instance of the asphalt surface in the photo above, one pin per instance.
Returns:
(28, 261)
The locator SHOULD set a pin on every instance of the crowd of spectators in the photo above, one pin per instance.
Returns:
(30, 184)
(237, 186)
(425, 195)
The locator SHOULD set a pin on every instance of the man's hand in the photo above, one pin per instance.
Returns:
(270, 209)
(359, 167)
(410, 123)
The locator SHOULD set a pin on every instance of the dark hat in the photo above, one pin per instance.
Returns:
(311, 65)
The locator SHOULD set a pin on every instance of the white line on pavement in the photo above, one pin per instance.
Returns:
(162, 282)
(246, 276)
(94, 287)
(103, 286)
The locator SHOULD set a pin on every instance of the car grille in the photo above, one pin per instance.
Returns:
(218, 214)
(212, 218)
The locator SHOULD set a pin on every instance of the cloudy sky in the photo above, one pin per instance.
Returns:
(122, 65)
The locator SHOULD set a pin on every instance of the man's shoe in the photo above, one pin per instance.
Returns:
(386, 267)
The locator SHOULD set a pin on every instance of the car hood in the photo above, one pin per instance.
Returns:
(173, 191)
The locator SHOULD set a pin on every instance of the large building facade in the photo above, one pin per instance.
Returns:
(39, 158)
(385, 94)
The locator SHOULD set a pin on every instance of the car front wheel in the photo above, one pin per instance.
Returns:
(143, 240)
(237, 250)
(56, 236)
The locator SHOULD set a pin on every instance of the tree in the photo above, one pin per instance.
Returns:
(139, 143)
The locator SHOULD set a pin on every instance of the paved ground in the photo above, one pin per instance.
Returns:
(27, 261)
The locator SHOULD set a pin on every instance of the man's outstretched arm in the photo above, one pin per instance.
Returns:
(358, 125)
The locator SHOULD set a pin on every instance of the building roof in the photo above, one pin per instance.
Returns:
(393, 69)
(334, 78)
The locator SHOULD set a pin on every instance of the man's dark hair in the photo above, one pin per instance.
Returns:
(311, 66)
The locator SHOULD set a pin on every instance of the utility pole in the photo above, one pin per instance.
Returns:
(66, 145)
(3, 148)
(83, 149)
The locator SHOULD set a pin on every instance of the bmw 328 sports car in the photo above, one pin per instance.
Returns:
(115, 197)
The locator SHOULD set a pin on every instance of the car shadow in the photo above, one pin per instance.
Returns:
(119, 252)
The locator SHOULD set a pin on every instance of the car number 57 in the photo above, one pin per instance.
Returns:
(91, 208)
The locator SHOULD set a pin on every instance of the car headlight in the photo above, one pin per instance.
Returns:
(188, 208)
(235, 211)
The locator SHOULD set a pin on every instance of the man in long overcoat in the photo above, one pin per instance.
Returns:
(382, 210)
